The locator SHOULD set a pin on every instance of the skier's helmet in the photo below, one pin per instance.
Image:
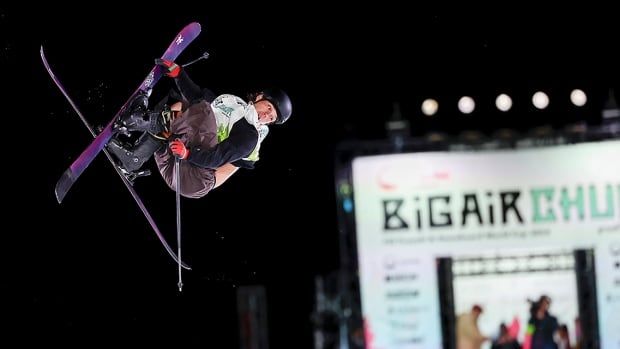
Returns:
(281, 102)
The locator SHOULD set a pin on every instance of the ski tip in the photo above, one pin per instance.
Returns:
(63, 185)
(41, 51)
(194, 26)
(59, 196)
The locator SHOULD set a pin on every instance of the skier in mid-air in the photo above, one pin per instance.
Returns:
(214, 135)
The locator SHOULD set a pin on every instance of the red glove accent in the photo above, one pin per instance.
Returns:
(170, 68)
(178, 149)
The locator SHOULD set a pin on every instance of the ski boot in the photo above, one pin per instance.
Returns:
(132, 114)
(137, 117)
(131, 158)
(132, 176)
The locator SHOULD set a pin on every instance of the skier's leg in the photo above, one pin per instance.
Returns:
(196, 126)
(196, 181)
(132, 158)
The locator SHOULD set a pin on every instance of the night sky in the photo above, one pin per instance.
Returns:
(92, 271)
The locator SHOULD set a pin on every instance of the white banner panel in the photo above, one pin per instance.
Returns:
(528, 209)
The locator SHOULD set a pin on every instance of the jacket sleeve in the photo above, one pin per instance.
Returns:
(188, 88)
(247, 164)
(239, 144)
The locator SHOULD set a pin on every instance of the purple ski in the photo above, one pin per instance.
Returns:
(181, 41)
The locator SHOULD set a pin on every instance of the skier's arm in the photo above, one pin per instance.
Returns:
(239, 144)
(188, 88)
(247, 164)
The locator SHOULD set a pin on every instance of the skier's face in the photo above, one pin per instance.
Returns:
(546, 303)
(266, 111)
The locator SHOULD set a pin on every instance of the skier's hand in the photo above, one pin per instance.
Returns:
(178, 149)
(170, 68)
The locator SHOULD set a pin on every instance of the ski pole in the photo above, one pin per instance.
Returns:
(205, 55)
(177, 162)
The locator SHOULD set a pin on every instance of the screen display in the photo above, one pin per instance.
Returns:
(441, 235)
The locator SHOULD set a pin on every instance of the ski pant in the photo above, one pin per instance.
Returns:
(195, 128)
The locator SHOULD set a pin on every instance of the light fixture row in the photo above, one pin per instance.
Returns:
(503, 102)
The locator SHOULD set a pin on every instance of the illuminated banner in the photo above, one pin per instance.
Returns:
(526, 211)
